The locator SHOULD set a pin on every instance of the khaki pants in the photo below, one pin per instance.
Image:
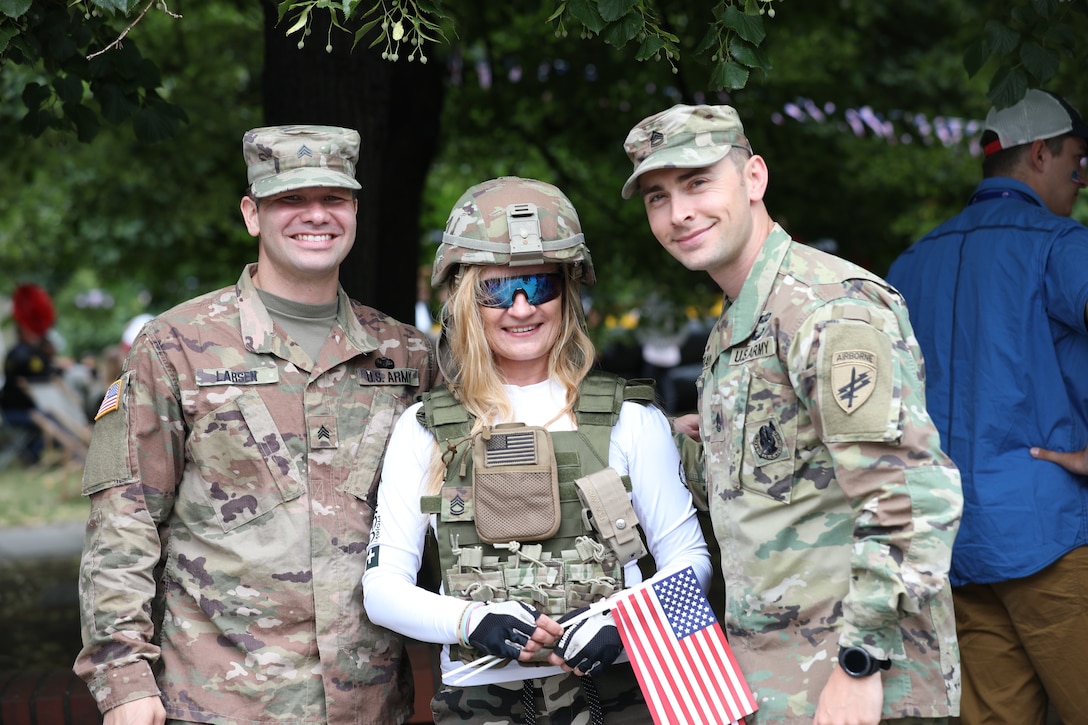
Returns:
(1024, 644)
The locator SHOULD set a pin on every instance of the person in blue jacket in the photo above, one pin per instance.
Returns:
(998, 297)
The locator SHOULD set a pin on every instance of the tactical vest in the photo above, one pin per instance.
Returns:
(573, 568)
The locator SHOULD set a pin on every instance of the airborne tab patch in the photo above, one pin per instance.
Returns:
(853, 378)
(856, 382)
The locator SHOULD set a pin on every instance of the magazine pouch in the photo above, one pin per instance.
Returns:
(608, 511)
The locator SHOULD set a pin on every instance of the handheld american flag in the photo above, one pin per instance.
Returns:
(678, 650)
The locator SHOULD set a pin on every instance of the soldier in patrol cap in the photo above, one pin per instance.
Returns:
(832, 502)
(543, 482)
(233, 472)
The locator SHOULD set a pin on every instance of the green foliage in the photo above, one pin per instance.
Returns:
(137, 226)
(735, 28)
(54, 47)
(1025, 44)
(392, 22)
(532, 91)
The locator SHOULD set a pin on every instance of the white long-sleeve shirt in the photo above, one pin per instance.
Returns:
(641, 447)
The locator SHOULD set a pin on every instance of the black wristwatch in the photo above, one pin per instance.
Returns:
(857, 662)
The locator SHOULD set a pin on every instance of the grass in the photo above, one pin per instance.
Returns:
(36, 495)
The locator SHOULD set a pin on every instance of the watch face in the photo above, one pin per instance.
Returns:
(856, 662)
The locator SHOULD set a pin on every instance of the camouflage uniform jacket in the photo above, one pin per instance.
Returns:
(232, 494)
(830, 498)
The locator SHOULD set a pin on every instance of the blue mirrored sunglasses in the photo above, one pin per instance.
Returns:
(501, 291)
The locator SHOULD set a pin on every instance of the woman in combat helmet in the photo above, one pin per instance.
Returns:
(507, 466)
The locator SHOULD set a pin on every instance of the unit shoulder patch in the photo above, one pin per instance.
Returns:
(853, 377)
(857, 389)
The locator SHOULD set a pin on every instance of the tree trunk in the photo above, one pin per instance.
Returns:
(395, 106)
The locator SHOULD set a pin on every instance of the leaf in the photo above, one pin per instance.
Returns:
(1024, 16)
(1002, 40)
(111, 6)
(745, 53)
(35, 122)
(148, 74)
(7, 32)
(282, 9)
(300, 23)
(559, 10)
(748, 27)
(650, 47)
(1062, 36)
(976, 56)
(115, 105)
(154, 124)
(84, 119)
(34, 95)
(620, 33)
(1039, 61)
(366, 27)
(586, 13)
(69, 88)
(1044, 8)
(613, 10)
(710, 40)
(14, 8)
(729, 76)
(1007, 86)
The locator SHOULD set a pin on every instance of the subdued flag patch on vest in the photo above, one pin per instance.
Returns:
(111, 401)
(511, 449)
(853, 378)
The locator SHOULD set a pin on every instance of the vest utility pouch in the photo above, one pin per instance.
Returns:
(608, 511)
(515, 484)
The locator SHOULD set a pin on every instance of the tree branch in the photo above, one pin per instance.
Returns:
(132, 25)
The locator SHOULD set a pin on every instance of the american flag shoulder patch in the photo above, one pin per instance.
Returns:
(111, 401)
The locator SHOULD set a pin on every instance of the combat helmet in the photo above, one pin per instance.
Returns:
(544, 223)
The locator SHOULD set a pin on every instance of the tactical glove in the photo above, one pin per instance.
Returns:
(591, 645)
(502, 629)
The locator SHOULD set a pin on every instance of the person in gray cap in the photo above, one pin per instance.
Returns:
(831, 500)
(999, 297)
(233, 474)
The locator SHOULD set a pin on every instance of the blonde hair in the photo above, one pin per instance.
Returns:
(468, 364)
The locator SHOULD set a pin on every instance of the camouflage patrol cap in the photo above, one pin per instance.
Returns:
(283, 158)
(544, 223)
(683, 137)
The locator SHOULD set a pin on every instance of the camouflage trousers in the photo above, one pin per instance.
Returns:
(556, 700)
